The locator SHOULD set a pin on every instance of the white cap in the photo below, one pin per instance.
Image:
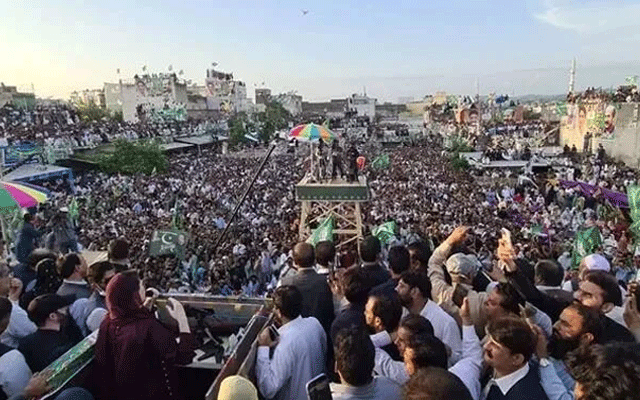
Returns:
(596, 262)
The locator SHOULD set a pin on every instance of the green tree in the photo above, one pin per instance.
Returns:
(237, 129)
(91, 112)
(142, 157)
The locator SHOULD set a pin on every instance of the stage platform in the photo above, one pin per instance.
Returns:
(196, 140)
(333, 190)
(38, 172)
(175, 146)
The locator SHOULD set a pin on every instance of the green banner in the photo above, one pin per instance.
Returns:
(587, 242)
(385, 232)
(168, 243)
(324, 232)
(70, 363)
(381, 162)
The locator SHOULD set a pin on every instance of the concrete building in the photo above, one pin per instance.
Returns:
(225, 94)
(362, 105)
(263, 96)
(10, 95)
(614, 125)
(335, 108)
(89, 96)
(149, 97)
(291, 102)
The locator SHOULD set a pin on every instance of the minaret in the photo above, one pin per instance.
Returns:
(572, 76)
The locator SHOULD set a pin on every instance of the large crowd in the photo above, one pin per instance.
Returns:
(481, 293)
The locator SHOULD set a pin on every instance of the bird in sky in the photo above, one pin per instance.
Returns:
(305, 12)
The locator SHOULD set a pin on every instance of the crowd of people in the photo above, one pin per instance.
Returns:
(623, 94)
(481, 293)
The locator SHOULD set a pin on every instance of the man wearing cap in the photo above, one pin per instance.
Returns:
(462, 269)
(41, 348)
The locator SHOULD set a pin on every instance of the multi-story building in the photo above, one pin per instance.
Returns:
(291, 102)
(89, 96)
(10, 95)
(362, 105)
(263, 96)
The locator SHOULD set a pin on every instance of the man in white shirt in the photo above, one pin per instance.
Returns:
(414, 289)
(300, 350)
(19, 323)
(14, 371)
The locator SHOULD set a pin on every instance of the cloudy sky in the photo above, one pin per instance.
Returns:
(393, 48)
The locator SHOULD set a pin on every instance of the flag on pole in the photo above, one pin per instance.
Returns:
(176, 222)
(385, 232)
(587, 241)
(324, 232)
(73, 210)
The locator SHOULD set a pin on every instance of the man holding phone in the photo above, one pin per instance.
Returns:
(300, 349)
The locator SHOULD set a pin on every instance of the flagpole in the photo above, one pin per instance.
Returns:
(244, 196)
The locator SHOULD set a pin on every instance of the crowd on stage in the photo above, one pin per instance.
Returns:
(483, 292)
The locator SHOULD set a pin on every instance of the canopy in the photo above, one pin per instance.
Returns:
(22, 195)
(312, 133)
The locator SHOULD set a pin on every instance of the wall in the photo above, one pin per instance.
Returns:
(616, 127)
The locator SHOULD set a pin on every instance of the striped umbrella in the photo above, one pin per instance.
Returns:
(23, 195)
(312, 133)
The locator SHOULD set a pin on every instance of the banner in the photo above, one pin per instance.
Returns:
(633, 195)
(587, 241)
(385, 232)
(168, 243)
(324, 232)
(615, 198)
(70, 363)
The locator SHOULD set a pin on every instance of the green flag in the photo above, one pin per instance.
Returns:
(73, 210)
(176, 220)
(385, 232)
(381, 162)
(322, 233)
(587, 241)
(168, 242)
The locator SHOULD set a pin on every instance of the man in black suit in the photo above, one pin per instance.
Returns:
(399, 261)
(511, 344)
(356, 285)
(317, 300)
(370, 253)
(599, 291)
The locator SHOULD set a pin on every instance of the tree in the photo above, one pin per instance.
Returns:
(237, 129)
(142, 157)
(91, 112)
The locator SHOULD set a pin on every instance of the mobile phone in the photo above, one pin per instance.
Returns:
(318, 388)
(273, 332)
(459, 293)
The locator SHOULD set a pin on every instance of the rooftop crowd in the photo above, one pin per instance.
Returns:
(476, 296)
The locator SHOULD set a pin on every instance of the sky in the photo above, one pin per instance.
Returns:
(392, 49)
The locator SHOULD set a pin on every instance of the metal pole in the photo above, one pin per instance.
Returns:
(244, 196)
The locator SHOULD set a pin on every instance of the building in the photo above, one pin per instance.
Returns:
(291, 102)
(263, 96)
(10, 95)
(362, 105)
(225, 94)
(89, 96)
(149, 97)
(335, 108)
